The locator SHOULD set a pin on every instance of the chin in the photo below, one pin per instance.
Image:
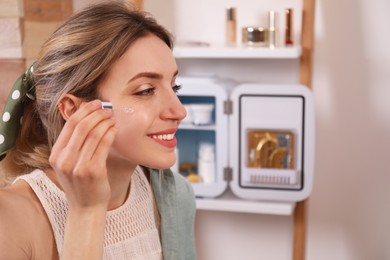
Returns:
(162, 163)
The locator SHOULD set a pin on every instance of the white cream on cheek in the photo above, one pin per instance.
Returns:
(127, 110)
(124, 109)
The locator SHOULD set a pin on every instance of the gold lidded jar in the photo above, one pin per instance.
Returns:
(255, 36)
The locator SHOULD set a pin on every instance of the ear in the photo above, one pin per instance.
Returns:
(68, 105)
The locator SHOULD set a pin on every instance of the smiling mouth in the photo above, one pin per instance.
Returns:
(164, 137)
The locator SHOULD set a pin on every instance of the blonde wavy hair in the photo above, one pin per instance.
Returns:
(73, 60)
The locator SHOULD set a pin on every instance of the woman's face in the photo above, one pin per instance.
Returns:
(141, 86)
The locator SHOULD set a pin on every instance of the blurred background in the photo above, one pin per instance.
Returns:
(349, 208)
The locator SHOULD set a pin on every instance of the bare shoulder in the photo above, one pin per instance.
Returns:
(16, 214)
(22, 222)
(17, 202)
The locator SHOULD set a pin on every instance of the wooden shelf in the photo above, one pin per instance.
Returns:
(235, 52)
(228, 202)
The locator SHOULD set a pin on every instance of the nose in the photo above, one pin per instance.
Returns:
(173, 108)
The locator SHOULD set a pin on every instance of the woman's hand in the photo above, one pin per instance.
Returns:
(79, 156)
(79, 159)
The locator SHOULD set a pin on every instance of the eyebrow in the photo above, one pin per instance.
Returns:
(151, 75)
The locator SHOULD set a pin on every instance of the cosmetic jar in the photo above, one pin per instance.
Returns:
(254, 36)
(201, 114)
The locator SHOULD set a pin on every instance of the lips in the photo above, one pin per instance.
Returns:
(166, 138)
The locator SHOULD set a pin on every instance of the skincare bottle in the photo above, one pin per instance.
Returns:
(289, 36)
(206, 162)
(231, 26)
(272, 29)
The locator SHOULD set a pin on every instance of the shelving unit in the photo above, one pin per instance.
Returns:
(303, 53)
(306, 68)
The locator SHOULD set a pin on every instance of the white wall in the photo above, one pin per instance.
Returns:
(350, 206)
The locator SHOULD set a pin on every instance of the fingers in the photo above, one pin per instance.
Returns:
(103, 149)
(67, 131)
(93, 155)
(101, 135)
(88, 128)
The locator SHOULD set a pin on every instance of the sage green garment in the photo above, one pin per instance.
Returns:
(176, 204)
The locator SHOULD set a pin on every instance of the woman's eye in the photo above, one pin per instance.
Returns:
(176, 88)
(146, 92)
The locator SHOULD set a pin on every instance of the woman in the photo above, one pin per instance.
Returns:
(87, 181)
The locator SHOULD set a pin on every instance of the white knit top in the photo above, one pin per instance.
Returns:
(131, 231)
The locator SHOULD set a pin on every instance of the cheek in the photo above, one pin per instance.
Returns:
(133, 129)
(132, 124)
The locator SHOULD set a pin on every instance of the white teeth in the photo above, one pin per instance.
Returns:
(164, 137)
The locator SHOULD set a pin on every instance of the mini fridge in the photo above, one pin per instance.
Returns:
(255, 139)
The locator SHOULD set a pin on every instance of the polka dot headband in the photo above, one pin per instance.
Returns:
(13, 111)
